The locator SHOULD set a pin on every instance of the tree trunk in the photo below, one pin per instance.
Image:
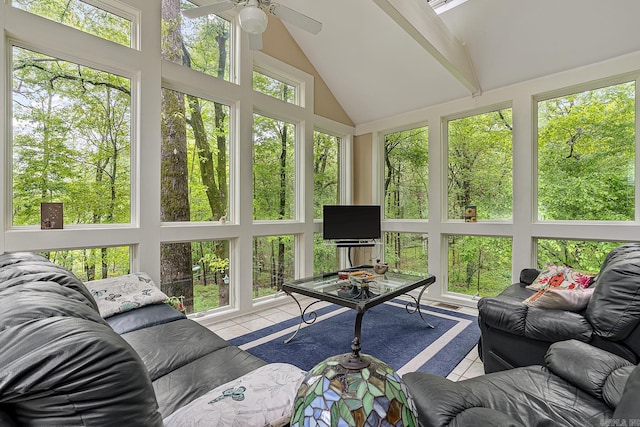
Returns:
(175, 258)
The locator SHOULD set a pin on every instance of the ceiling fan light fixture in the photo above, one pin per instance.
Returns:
(253, 20)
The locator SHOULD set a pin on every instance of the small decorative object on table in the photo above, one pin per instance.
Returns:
(380, 267)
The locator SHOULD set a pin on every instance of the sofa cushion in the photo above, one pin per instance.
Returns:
(561, 277)
(144, 317)
(185, 360)
(263, 397)
(123, 293)
(560, 299)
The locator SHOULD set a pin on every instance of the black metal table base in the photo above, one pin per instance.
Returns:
(358, 293)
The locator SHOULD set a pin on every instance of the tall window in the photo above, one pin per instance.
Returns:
(586, 155)
(71, 140)
(480, 165)
(83, 16)
(196, 132)
(406, 174)
(273, 169)
(326, 191)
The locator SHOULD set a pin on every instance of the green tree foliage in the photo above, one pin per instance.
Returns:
(326, 191)
(579, 254)
(273, 169)
(82, 16)
(407, 252)
(479, 266)
(273, 263)
(71, 140)
(406, 181)
(480, 165)
(326, 173)
(586, 155)
(274, 87)
(480, 174)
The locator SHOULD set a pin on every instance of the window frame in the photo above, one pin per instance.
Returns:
(134, 148)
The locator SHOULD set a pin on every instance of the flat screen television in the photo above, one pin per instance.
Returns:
(351, 223)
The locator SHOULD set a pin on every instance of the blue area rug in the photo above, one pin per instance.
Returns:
(389, 333)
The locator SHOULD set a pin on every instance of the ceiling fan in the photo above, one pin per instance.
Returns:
(252, 18)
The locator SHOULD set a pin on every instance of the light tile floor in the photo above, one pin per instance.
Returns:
(471, 366)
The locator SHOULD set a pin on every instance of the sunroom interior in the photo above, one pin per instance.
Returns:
(177, 151)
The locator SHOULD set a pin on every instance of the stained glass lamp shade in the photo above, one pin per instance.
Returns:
(335, 395)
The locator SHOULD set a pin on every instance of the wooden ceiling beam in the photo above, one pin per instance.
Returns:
(423, 24)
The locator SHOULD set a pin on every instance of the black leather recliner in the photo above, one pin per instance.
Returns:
(514, 334)
(580, 385)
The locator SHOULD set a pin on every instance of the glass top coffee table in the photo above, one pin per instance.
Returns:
(358, 288)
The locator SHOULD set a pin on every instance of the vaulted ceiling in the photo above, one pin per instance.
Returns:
(376, 69)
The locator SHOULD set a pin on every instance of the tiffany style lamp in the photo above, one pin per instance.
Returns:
(353, 390)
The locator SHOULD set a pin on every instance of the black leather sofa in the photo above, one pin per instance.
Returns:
(580, 385)
(62, 364)
(514, 334)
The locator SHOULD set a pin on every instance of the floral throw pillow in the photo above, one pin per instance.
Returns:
(561, 277)
(123, 293)
(575, 299)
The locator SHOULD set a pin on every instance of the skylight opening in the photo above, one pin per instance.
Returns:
(443, 5)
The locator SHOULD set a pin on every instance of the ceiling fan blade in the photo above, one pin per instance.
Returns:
(255, 41)
(219, 6)
(295, 18)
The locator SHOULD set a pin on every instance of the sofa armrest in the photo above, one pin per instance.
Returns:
(533, 322)
(442, 402)
(591, 369)
(438, 400)
(528, 275)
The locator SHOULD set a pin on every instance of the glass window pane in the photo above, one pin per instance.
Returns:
(479, 266)
(586, 155)
(273, 169)
(326, 171)
(93, 263)
(82, 16)
(273, 263)
(71, 141)
(202, 44)
(407, 252)
(195, 158)
(326, 258)
(274, 87)
(198, 272)
(406, 174)
(480, 165)
(582, 255)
